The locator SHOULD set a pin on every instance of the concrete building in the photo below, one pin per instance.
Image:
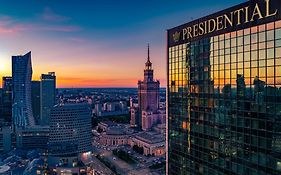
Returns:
(150, 119)
(35, 137)
(35, 99)
(111, 109)
(146, 114)
(22, 107)
(5, 139)
(70, 137)
(115, 135)
(6, 100)
(47, 96)
(152, 143)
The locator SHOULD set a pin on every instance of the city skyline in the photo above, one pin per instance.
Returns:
(102, 45)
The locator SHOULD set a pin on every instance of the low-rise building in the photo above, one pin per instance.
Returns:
(104, 125)
(152, 143)
(116, 135)
(111, 109)
(35, 137)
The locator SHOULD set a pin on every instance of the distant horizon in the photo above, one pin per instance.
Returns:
(105, 88)
(100, 45)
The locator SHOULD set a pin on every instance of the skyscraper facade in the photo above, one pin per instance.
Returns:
(47, 96)
(70, 126)
(148, 95)
(224, 92)
(22, 107)
(7, 100)
(35, 99)
(70, 136)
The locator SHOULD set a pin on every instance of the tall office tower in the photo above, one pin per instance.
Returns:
(22, 107)
(224, 92)
(7, 100)
(35, 98)
(47, 96)
(70, 136)
(148, 94)
(1, 108)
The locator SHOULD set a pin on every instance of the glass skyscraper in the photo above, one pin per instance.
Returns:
(22, 75)
(47, 96)
(224, 92)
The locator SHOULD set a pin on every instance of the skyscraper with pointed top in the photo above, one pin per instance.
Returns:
(22, 75)
(148, 97)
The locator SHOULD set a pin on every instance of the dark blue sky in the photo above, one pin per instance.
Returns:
(108, 35)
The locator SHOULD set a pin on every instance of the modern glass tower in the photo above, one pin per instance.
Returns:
(47, 96)
(22, 107)
(224, 92)
(70, 138)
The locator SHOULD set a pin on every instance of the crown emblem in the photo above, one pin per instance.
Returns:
(176, 36)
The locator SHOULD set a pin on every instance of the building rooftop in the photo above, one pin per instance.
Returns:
(4, 169)
(119, 130)
(150, 137)
(108, 123)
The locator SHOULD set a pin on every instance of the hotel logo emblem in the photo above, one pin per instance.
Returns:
(176, 36)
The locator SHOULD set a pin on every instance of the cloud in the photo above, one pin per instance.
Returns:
(51, 16)
(8, 25)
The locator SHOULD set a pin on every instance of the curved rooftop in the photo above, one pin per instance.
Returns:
(4, 169)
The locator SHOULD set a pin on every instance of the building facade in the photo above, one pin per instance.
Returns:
(35, 100)
(47, 96)
(70, 134)
(148, 98)
(224, 92)
(35, 137)
(7, 86)
(22, 74)
(5, 139)
(152, 143)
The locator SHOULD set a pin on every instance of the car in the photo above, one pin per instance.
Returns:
(114, 158)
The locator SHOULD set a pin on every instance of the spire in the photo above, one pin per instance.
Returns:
(148, 55)
(148, 64)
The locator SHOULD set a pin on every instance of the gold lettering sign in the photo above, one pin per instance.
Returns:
(234, 18)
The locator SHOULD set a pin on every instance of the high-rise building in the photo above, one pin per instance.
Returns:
(148, 96)
(35, 99)
(70, 137)
(5, 139)
(1, 108)
(7, 100)
(47, 96)
(224, 92)
(22, 107)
